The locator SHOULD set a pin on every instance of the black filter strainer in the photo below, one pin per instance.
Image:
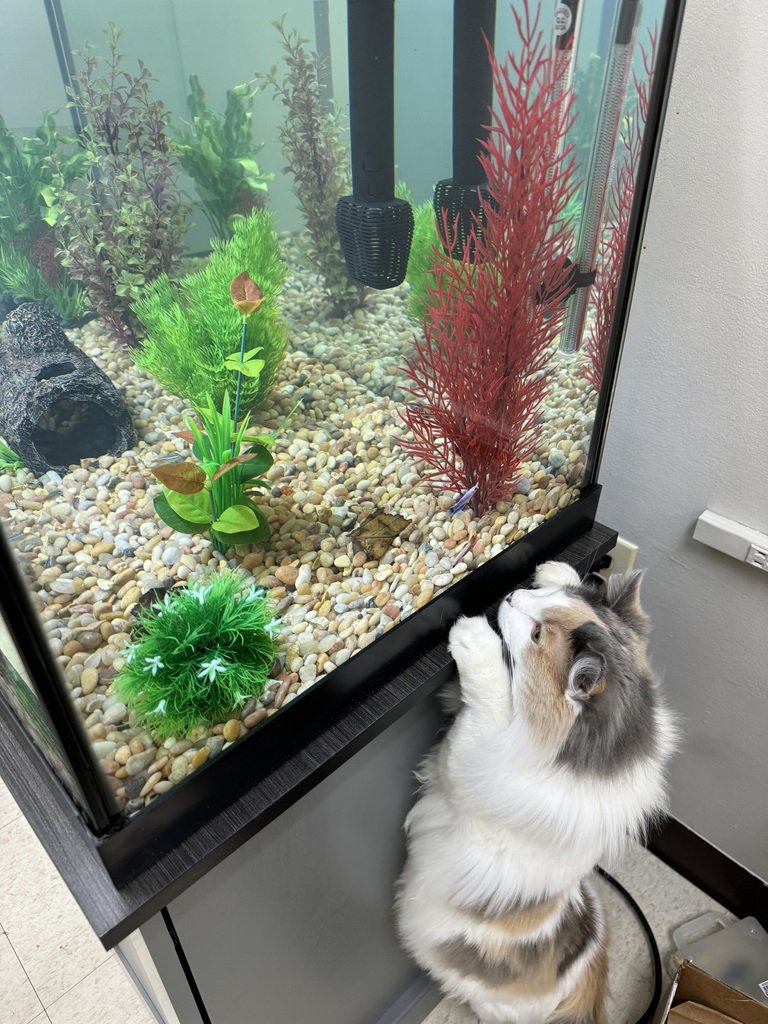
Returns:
(375, 229)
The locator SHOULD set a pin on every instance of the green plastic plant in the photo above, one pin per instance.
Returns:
(29, 266)
(199, 655)
(21, 277)
(420, 260)
(27, 174)
(317, 159)
(217, 495)
(189, 329)
(218, 154)
(121, 222)
(9, 460)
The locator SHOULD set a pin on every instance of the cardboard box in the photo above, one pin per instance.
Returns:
(692, 985)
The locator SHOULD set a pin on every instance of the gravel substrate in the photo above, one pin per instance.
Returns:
(92, 545)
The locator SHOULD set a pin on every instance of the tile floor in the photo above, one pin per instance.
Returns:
(54, 971)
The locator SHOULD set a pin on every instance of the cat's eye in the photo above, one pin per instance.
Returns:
(536, 633)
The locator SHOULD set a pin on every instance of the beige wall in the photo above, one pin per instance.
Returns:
(689, 428)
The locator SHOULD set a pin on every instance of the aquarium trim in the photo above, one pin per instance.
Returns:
(667, 42)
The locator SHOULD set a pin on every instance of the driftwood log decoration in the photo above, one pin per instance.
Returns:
(56, 406)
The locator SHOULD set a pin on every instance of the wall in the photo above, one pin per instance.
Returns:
(688, 429)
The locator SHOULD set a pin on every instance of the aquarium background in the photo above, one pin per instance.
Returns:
(356, 542)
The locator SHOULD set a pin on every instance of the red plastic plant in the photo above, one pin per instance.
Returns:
(478, 378)
(613, 241)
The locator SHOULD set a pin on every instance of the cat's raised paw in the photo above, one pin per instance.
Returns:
(472, 636)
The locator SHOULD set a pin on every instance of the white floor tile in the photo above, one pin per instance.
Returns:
(46, 928)
(9, 811)
(106, 996)
(20, 1004)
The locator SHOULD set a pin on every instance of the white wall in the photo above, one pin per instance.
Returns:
(690, 421)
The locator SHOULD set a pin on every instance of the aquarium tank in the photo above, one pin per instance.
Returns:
(310, 317)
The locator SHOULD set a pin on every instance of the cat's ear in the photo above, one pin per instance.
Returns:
(587, 676)
(623, 597)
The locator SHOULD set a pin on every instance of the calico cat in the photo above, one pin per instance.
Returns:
(556, 757)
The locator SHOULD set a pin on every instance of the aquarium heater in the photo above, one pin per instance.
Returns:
(459, 200)
(375, 229)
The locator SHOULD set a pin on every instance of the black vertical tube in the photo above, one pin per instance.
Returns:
(472, 86)
(371, 37)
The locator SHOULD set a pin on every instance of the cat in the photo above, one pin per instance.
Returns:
(555, 759)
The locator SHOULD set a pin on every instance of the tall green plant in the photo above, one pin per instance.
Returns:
(121, 222)
(189, 328)
(218, 154)
(317, 159)
(29, 266)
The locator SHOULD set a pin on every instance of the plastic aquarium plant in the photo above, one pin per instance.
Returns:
(425, 238)
(29, 266)
(9, 460)
(479, 376)
(218, 494)
(218, 154)
(199, 654)
(121, 222)
(615, 229)
(189, 328)
(317, 159)
(20, 276)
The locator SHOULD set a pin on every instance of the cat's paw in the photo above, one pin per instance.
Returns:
(472, 638)
(557, 574)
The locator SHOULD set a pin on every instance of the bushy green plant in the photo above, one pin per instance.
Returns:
(20, 276)
(420, 260)
(189, 329)
(9, 460)
(317, 159)
(29, 266)
(27, 173)
(218, 154)
(121, 222)
(199, 655)
(217, 495)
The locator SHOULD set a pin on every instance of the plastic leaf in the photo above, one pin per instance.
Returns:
(252, 369)
(181, 477)
(172, 519)
(256, 469)
(236, 519)
(245, 294)
(196, 508)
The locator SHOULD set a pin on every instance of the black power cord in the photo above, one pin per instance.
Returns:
(652, 945)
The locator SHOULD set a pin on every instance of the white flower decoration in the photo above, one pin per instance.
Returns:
(272, 627)
(252, 594)
(152, 665)
(199, 591)
(211, 669)
(130, 653)
(160, 709)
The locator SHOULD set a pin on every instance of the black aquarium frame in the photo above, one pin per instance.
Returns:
(128, 845)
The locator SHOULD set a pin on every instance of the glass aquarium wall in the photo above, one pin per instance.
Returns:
(229, 464)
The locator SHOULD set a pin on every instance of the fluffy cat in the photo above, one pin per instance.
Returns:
(556, 757)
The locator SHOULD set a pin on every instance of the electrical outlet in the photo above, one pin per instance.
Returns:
(623, 558)
(758, 557)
